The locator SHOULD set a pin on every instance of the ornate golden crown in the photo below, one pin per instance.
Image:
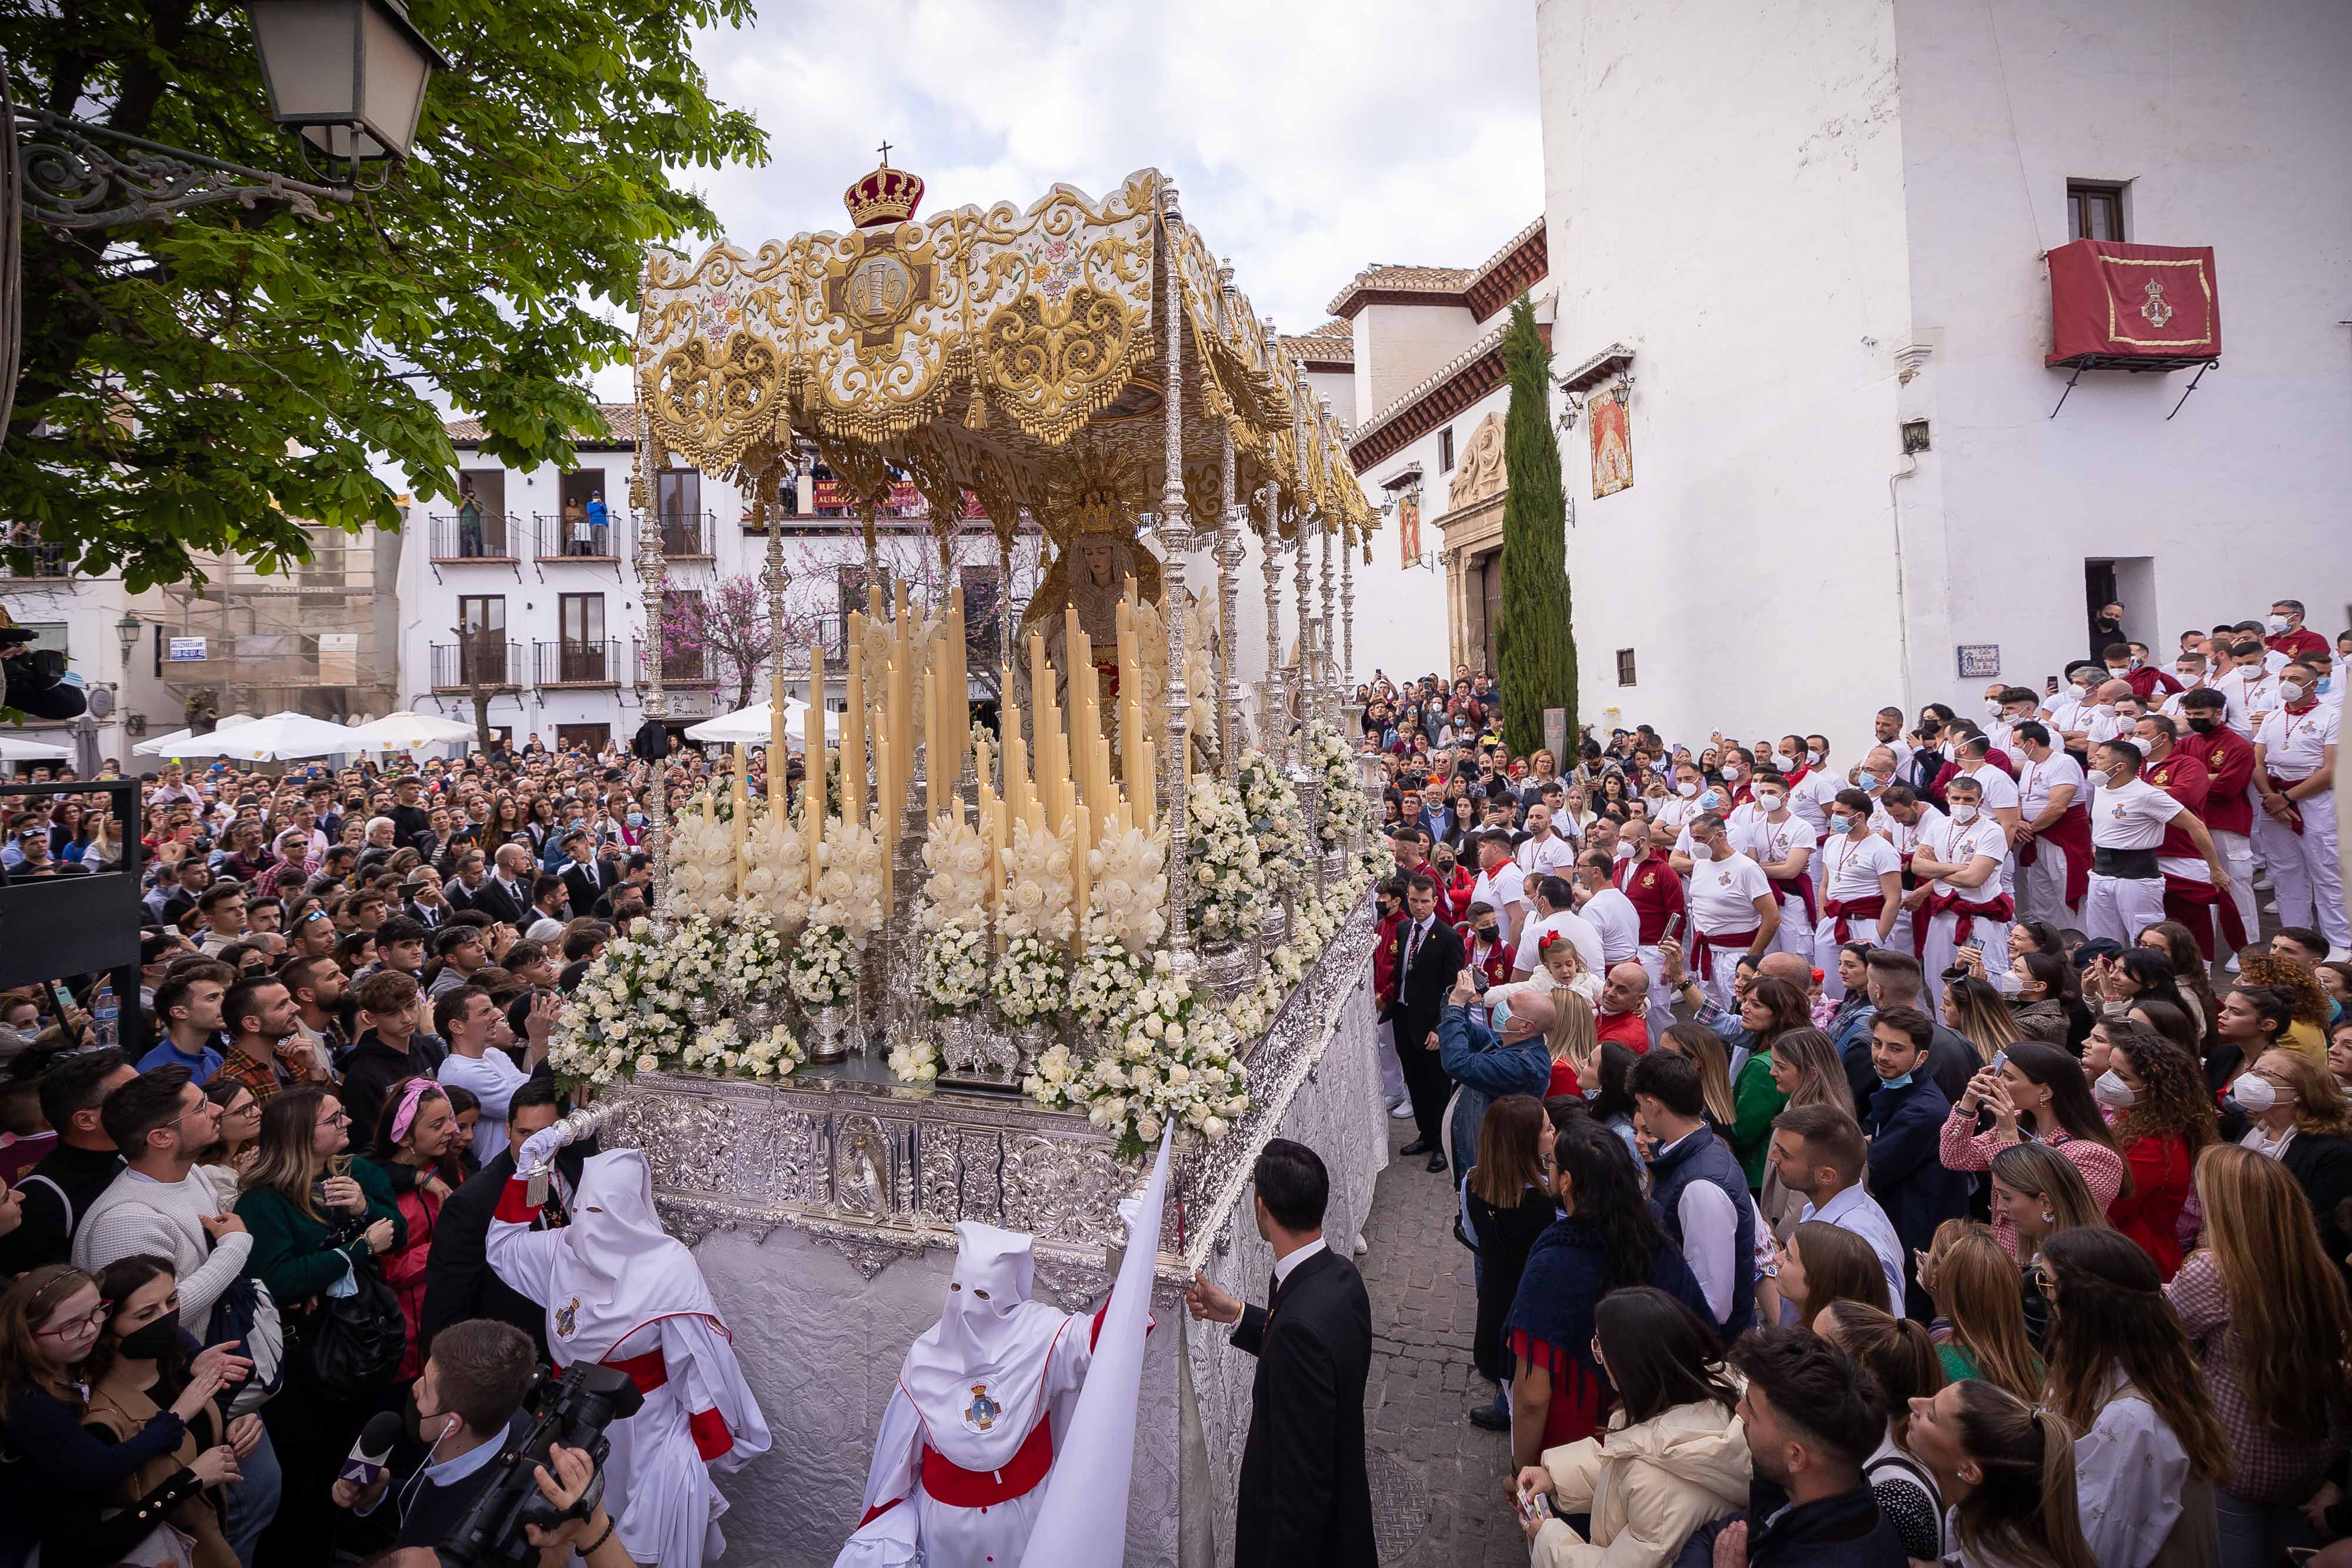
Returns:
(887, 196)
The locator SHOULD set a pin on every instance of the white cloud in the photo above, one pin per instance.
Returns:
(1309, 137)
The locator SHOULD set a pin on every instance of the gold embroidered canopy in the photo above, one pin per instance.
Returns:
(1017, 354)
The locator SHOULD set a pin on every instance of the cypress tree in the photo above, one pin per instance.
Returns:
(1534, 642)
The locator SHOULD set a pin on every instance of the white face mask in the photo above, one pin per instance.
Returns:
(1964, 813)
(2110, 1089)
(2097, 778)
(1702, 852)
(2255, 1095)
(1992, 707)
(1813, 760)
(2008, 983)
(1768, 804)
(1731, 771)
(2291, 692)
(1687, 789)
(2278, 625)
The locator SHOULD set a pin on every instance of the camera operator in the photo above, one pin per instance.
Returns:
(469, 1403)
(591, 1537)
(37, 685)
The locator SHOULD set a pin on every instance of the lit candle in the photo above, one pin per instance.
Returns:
(776, 752)
(934, 751)
(1148, 786)
(813, 754)
(742, 795)
(886, 820)
(853, 724)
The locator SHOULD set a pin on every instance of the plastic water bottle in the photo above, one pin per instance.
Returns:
(106, 1015)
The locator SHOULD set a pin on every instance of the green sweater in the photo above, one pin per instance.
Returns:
(1754, 1101)
(297, 1256)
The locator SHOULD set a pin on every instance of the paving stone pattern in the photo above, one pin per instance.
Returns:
(1437, 1480)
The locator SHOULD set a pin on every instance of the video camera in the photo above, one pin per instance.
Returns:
(573, 1410)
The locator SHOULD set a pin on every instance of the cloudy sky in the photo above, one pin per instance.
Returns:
(1309, 137)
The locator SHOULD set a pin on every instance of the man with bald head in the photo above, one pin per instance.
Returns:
(1626, 1006)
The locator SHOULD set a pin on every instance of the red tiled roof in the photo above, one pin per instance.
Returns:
(1332, 343)
(621, 418)
(1482, 289)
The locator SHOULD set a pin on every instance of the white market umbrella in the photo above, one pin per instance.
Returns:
(280, 736)
(750, 725)
(15, 747)
(163, 745)
(407, 730)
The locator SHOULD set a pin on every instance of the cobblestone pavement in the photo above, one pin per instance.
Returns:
(1437, 1480)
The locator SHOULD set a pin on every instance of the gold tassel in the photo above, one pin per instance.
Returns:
(975, 412)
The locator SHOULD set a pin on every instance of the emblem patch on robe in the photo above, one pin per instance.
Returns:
(982, 1413)
(565, 1316)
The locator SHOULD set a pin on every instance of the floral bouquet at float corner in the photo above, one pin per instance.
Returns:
(726, 1048)
(1128, 897)
(1174, 1061)
(823, 968)
(1343, 792)
(1228, 884)
(959, 864)
(1275, 818)
(952, 976)
(633, 1010)
(1031, 983)
(702, 856)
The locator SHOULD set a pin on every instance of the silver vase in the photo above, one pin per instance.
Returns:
(1227, 970)
(829, 1032)
(1030, 1041)
(1273, 926)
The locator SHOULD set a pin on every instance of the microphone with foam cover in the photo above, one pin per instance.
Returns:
(370, 1454)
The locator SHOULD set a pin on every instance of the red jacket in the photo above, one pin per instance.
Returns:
(2229, 756)
(1630, 1030)
(2294, 645)
(2146, 680)
(2150, 1213)
(2182, 777)
(1384, 959)
(1454, 893)
(1496, 963)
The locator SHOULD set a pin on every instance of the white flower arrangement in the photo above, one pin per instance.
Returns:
(1275, 818)
(960, 867)
(849, 879)
(952, 976)
(1174, 1061)
(917, 1061)
(1040, 884)
(755, 955)
(1031, 982)
(629, 1014)
(1228, 885)
(1343, 790)
(1129, 896)
(775, 872)
(723, 1049)
(702, 859)
(1104, 985)
(1252, 1011)
(823, 968)
(1314, 922)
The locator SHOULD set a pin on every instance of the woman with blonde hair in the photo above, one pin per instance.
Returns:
(1820, 1263)
(2263, 1302)
(2297, 1115)
(1982, 1016)
(2306, 998)
(1804, 1067)
(1978, 1306)
(1705, 1048)
(2006, 1470)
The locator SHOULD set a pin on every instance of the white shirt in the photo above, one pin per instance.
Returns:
(1723, 894)
(1292, 1260)
(1907, 840)
(2294, 743)
(492, 1079)
(1851, 869)
(1855, 1210)
(2041, 778)
(1811, 797)
(2250, 694)
(1576, 929)
(1499, 889)
(1709, 1223)
(1612, 915)
(1550, 855)
(2100, 727)
(2130, 1475)
(2000, 788)
(2131, 817)
(1779, 840)
(1956, 843)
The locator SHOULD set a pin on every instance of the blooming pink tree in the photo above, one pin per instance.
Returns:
(722, 637)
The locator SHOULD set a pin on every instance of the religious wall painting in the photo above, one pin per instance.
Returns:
(1409, 529)
(1612, 442)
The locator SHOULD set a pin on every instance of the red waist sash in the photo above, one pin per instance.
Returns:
(2071, 832)
(1708, 945)
(951, 1483)
(2002, 908)
(2294, 811)
(1802, 886)
(1843, 909)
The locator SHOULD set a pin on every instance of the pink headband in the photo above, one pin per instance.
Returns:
(418, 1088)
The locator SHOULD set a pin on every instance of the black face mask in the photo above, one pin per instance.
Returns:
(150, 1340)
(1486, 932)
(2203, 724)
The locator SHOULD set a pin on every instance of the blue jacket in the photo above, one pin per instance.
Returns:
(1704, 1157)
(1486, 1068)
(1908, 1174)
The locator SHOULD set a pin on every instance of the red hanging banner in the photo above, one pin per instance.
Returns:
(2111, 302)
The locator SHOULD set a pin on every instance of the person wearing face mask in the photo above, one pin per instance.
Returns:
(1960, 864)
(2287, 634)
(2128, 819)
(469, 1402)
(2294, 773)
(1679, 807)
(1861, 887)
(1733, 907)
(2153, 1094)
(2249, 684)
(2127, 662)
(2229, 813)
(1784, 845)
(619, 1290)
(1659, 900)
(2052, 841)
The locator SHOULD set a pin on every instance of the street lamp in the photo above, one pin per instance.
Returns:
(348, 76)
(127, 632)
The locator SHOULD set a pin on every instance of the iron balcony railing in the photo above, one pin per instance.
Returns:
(485, 536)
(460, 666)
(574, 663)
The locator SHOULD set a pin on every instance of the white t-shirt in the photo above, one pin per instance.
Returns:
(1778, 840)
(2101, 727)
(1907, 840)
(2040, 778)
(2293, 743)
(2000, 788)
(1545, 857)
(2131, 817)
(1612, 915)
(1811, 797)
(1956, 843)
(1851, 869)
(1590, 952)
(1499, 889)
(1723, 894)
(491, 1078)
(2251, 695)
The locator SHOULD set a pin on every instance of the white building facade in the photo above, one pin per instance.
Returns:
(538, 606)
(1812, 240)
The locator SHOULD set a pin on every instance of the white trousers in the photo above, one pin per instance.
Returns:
(1942, 948)
(1662, 1000)
(1863, 929)
(2041, 887)
(2119, 908)
(2238, 855)
(1392, 1087)
(1796, 932)
(2304, 869)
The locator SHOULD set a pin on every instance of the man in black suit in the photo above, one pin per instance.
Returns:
(1305, 1501)
(459, 1281)
(1427, 957)
(584, 877)
(507, 894)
